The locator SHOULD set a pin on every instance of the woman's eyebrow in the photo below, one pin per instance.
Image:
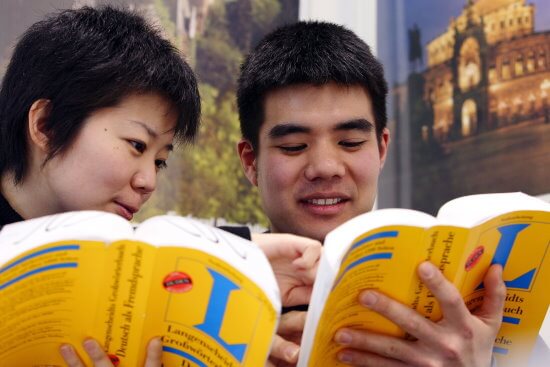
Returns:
(147, 128)
(152, 133)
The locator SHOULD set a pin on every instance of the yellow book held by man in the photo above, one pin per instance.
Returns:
(210, 295)
(382, 249)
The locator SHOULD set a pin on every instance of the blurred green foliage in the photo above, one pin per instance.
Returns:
(206, 180)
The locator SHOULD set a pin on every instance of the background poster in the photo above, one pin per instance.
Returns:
(469, 90)
(468, 107)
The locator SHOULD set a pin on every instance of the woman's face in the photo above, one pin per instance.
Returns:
(114, 161)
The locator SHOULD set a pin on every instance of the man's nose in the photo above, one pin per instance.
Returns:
(324, 162)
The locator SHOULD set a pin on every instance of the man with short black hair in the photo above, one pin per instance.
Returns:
(312, 106)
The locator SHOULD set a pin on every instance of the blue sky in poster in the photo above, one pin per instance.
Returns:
(433, 16)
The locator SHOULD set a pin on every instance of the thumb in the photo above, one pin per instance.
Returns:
(495, 294)
(284, 349)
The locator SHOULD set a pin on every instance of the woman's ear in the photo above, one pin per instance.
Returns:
(39, 113)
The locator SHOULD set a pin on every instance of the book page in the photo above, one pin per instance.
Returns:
(365, 253)
(215, 302)
(49, 291)
(123, 303)
(520, 242)
(467, 211)
(512, 229)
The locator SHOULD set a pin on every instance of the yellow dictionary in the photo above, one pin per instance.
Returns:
(381, 250)
(210, 295)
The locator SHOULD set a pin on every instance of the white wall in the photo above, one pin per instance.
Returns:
(357, 15)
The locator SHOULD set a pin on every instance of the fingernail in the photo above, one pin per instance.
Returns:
(66, 351)
(426, 270)
(90, 346)
(343, 337)
(345, 357)
(292, 352)
(368, 299)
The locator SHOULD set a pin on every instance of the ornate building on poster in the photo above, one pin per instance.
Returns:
(488, 70)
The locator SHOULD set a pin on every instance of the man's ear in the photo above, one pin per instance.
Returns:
(383, 146)
(39, 113)
(248, 160)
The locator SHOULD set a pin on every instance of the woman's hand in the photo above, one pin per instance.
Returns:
(99, 358)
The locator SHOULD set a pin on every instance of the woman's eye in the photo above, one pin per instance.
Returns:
(352, 143)
(160, 164)
(138, 145)
(292, 148)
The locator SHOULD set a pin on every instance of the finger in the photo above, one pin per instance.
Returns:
(452, 305)
(289, 246)
(69, 355)
(292, 322)
(298, 296)
(274, 362)
(355, 358)
(307, 269)
(96, 353)
(267, 243)
(154, 353)
(276, 245)
(495, 294)
(284, 350)
(367, 347)
(406, 318)
(311, 252)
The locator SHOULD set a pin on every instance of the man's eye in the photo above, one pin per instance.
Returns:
(138, 145)
(160, 164)
(352, 143)
(292, 148)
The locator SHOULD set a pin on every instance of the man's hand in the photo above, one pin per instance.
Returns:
(294, 260)
(101, 359)
(460, 338)
(286, 345)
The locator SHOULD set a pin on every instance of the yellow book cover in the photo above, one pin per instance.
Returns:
(210, 295)
(382, 249)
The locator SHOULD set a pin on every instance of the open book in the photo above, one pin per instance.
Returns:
(211, 295)
(382, 250)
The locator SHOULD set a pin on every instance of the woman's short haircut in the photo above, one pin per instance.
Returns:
(83, 60)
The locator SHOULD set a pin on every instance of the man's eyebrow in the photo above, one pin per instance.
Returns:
(356, 124)
(152, 133)
(285, 129)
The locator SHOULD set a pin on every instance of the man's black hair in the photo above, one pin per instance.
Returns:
(307, 52)
(82, 60)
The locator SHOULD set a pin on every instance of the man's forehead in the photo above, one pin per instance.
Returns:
(296, 103)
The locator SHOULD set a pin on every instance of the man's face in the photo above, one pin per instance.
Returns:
(318, 160)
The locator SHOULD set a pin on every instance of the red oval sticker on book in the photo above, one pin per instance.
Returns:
(474, 257)
(114, 359)
(177, 282)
